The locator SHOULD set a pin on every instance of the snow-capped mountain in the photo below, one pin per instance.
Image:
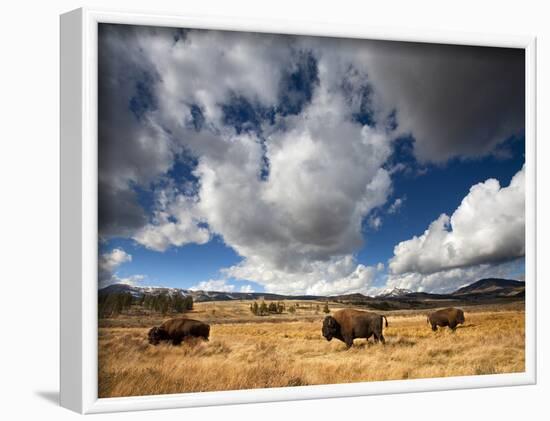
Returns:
(198, 295)
(138, 291)
(394, 292)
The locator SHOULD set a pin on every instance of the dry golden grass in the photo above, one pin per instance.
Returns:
(247, 352)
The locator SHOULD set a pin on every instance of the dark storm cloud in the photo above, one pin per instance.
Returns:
(456, 101)
(119, 213)
(143, 99)
(132, 149)
(197, 117)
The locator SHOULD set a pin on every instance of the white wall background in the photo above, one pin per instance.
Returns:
(29, 214)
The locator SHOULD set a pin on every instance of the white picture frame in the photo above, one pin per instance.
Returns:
(79, 254)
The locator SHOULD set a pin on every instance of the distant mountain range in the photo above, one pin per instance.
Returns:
(394, 292)
(490, 290)
(199, 295)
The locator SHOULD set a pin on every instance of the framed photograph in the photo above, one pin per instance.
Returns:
(261, 211)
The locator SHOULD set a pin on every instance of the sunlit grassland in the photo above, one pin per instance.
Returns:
(247, 351)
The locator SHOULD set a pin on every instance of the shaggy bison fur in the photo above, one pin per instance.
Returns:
(176, 330)
(348, 324)
(451, 317)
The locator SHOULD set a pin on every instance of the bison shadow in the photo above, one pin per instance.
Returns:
(367, 344)
(403, 342)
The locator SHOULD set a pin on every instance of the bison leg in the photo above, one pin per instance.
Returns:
(434, 327)
(378, 337)
(349, 341)
(452, 326)
(176, 341)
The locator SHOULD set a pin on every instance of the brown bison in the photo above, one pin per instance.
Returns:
(451, 317)
(176, 330)
(348, 324)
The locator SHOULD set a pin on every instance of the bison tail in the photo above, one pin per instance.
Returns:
(386, 320)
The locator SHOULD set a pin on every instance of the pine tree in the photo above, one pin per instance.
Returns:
(164, 303)
(326, 309)
(113, 304)
(147, 301)
(127, 301)
(263, 309)
(188, 303)
(179, 303)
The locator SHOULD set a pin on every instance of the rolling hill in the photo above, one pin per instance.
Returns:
(492, 285)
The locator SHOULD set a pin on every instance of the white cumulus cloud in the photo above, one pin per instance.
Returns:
(375, 222)
(176, 222)
(108, 264)
(396, 205)
(213, 285)
(341, 275)
(487, 227)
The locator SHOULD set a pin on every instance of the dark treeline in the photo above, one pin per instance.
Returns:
(116, 303)
(165, 303)
(119, 302)
(264, 309)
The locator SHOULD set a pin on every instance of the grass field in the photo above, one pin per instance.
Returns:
(247, 351)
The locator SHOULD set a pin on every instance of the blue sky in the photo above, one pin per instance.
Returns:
(297, 165)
